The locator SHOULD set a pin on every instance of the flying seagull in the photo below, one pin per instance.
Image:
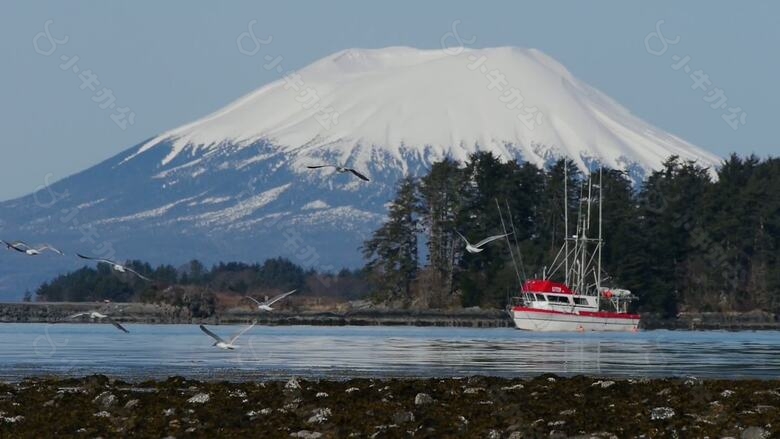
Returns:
(117, 267)
(341, 169)
(476, 248)
(266, 305)
(221, 343)
(94, 315)
(23, 247)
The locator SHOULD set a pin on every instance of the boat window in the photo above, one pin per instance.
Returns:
(559, 299)
(540, 297)
(580, 301)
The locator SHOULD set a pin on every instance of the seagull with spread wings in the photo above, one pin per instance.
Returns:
(341, 169)
(94, 315)
(476, 248)
(266, 305)
(23, 247)
(115, 266)
(222, 343)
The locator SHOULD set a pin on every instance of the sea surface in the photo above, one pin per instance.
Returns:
(160, 351)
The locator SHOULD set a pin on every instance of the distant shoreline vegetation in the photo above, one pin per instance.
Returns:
(682, 241)
(198, 288)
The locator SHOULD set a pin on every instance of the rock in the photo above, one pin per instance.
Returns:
(494, 434)
(661, 413)
(169, 412)
(200, 398)
(12, 419)
(306, 434)
(403, 417)
(515, 435)
(754, 433)
(568, 412)
(665, 392)
(727, 393)
(380, 429)
(265, 411)
(423, 399)
(102, 414)
(352, 390)
(514, 387)
(551, 379)
(105, 400)
(473, 390)
(49, 403)
(293, 384)
(603, 384)
(321, 395)
(237, 394)
(319, 416)
(131, 404)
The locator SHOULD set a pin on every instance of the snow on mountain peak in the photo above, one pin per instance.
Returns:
(397, 101)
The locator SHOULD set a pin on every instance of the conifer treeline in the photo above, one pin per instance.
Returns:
(681, 241)
(194, 279)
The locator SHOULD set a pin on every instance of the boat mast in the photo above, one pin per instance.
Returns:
(584, 245)
(566, 217)
(601, 243)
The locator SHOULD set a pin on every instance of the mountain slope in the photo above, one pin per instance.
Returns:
(435, 105)
(234, 186)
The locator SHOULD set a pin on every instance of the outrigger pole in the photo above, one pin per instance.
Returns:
(508, 242)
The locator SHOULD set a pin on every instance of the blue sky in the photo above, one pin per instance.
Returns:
(172, 62)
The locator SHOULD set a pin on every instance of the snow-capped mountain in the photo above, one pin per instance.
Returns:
(234, 185)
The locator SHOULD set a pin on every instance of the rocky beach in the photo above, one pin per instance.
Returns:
(475, 407)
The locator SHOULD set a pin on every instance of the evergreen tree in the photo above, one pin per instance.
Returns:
(440, 201)
(392, 251)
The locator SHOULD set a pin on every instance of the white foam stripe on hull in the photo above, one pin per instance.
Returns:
(535, 321)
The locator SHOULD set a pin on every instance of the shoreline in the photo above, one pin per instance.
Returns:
(35, 312)
(545, 406)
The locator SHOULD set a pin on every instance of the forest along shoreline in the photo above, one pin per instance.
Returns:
(133, 312)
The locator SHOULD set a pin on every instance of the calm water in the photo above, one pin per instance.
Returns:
(336, 352)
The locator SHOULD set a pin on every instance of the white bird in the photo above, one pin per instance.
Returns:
(341, 169)
(266, 305)
(94, 315)
(221, 343)
(117, 267)
(23, 247)
(476, 248)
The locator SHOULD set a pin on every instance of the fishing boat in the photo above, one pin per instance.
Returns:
(570, 295)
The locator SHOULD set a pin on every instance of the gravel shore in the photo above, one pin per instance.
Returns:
(475, 407)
